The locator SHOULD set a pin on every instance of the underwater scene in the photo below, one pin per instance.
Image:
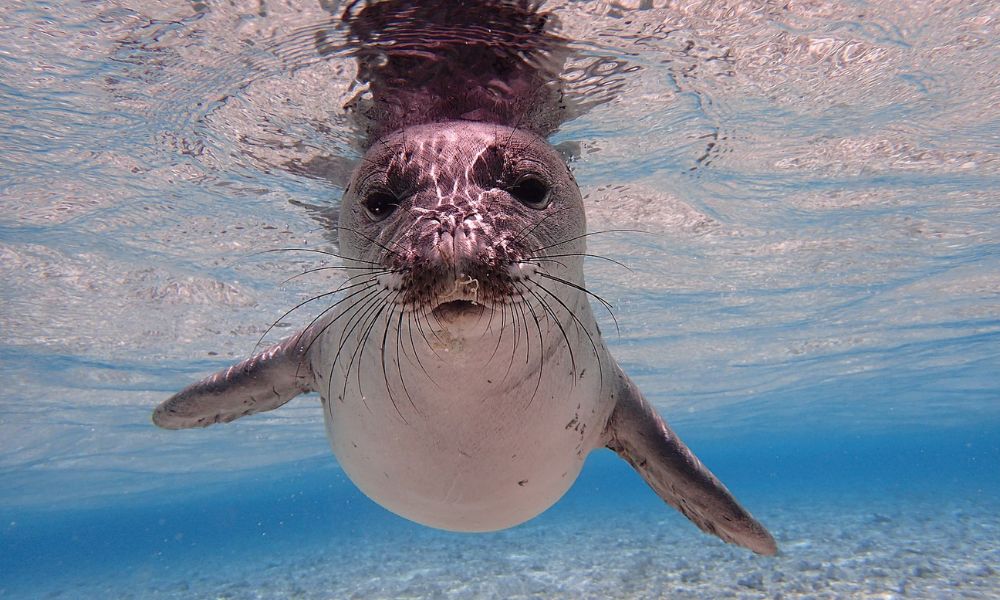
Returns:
(464, 257)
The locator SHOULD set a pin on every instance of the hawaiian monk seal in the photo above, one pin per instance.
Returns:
(462, 373)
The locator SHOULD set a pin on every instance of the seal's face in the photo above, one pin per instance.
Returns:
(459, 216)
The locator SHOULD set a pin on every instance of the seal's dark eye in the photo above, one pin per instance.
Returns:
(532, 192)
(380, 204)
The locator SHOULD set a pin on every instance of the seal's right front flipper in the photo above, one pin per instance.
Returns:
(262, 382)
(637, 433)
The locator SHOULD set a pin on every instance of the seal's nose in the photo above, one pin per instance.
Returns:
(456, 236)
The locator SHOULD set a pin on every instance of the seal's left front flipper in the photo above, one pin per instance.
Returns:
(262, 382)
(638, 434)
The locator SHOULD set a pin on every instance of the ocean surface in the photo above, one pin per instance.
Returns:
(814, 304)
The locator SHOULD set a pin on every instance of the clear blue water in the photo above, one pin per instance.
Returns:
(816, 308)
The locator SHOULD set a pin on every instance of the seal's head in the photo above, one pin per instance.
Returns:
(462, 215)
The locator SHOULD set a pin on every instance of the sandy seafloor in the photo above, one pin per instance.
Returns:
(311, 535)
(849, 550)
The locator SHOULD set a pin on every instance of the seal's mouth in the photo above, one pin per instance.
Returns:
(454, 309)
(460, 300)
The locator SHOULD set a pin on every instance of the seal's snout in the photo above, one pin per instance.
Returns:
(448, 265)
(456, 247)
(455, 237)
(455, 240)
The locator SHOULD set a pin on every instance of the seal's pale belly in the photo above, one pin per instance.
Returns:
(480, 442)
